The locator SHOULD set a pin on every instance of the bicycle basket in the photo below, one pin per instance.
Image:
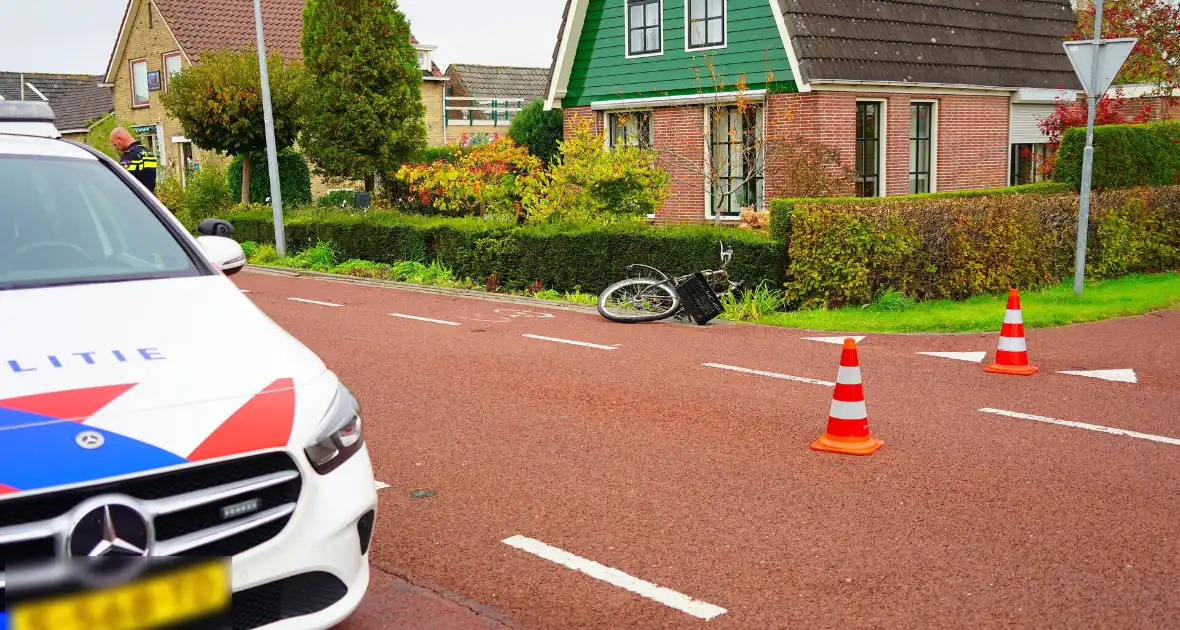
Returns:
(698, 299)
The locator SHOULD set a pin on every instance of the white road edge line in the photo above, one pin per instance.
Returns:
(1084, 425)
(785, 377)
(571, 342)
(425, 319)
(665, 596)
(293, 299)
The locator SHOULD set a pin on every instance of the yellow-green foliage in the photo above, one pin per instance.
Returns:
(845, 252)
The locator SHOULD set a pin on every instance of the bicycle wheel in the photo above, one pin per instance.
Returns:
(636, 300)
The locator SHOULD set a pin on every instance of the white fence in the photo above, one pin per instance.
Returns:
(482, 111)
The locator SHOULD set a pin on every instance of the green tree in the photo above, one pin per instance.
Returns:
(219, 104)
(539, 130)
(100, 136)
(364, 109)
(294, 177)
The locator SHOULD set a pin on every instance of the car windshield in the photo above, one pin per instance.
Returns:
(72, 221)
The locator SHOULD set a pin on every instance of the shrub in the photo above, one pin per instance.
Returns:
(207, 195)
(337, 199)
(591, 184)
(294, 178)
(927, 247)
(450, 153)
(1124, 155)
(488, 180)
(563, 257)
(539, 130)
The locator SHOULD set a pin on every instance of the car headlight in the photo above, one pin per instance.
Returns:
(339, 436)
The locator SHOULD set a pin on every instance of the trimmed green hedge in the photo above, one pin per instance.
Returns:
(780, 209)
(294, 178)
(843, 252)
(562, 257)
(1124, 155)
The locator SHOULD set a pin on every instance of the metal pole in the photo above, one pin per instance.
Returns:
(272, 154)
(1079, 272)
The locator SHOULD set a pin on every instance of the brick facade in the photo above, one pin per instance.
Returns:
(971, 137)
(432, 99)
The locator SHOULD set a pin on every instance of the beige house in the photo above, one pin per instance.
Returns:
(159, 38)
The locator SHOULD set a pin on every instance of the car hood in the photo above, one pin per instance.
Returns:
(106, 380)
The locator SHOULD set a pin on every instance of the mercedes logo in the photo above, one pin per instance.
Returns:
(109, 540)
(90, 440)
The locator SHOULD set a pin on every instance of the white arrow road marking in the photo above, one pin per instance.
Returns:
(839, 341)
(974, 357)
(425, 319)
(785, 377)
(381, 485)
(1084, 425)
(1124, 375)
(665, 596)
(307, 301)
(572, 343)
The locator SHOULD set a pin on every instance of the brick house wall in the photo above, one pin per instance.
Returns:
(971, 152)
(432, 99)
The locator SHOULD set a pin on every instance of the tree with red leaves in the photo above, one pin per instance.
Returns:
(1156, 57)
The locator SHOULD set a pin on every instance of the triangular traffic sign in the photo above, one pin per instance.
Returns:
(1111, 55)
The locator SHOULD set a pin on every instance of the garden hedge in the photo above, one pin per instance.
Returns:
(1124, 155)
(294, 178)
(938, 246)
(562, 257)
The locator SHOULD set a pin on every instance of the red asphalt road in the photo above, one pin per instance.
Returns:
(700, 480)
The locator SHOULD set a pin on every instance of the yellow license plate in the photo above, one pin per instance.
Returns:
(154, 602)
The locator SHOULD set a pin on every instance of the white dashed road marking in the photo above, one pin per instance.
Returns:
(304, 300)
(244, 290)
(571, 342)
(1119, 376)
(1084, 425)
(381, 485)
(665, 596)
(974, 357)
(785, 377)
(425, 319)
(839, 341)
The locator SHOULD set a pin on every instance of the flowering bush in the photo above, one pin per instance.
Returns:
(489, 180)
(590, 184)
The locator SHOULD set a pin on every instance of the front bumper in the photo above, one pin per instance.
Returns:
(313, 574)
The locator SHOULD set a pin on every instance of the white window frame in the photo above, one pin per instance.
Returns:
(131, 65)
(933, 144)
(708, 134)
(882, 145)
(724, 28)
(164, 65)
(627, 33)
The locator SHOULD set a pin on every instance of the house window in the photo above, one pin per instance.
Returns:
(630, 129)
(921, 146)
(736, 168)
(1027, 160)
(643, 27)
(139, 83)
(868, 149)
(424, 61)
(706, 23)
(171, 67)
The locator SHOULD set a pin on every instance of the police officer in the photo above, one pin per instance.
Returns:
(136, 158)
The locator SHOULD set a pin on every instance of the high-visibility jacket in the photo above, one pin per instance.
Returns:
(142, 164)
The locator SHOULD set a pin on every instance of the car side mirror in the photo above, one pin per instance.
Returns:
(225, 253)
(215, 227)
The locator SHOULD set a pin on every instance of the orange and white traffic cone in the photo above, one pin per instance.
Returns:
(1012, 355)
(848, 420)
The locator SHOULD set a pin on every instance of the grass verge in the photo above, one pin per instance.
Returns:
(1052, 306)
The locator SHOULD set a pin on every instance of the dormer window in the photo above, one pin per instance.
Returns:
(424, 60)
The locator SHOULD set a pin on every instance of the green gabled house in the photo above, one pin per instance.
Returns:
(915, 95)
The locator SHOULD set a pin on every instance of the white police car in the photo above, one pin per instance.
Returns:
(148, 408)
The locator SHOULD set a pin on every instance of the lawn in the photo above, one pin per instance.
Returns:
(1053, 306)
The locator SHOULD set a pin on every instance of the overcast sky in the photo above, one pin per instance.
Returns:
(76, 36)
